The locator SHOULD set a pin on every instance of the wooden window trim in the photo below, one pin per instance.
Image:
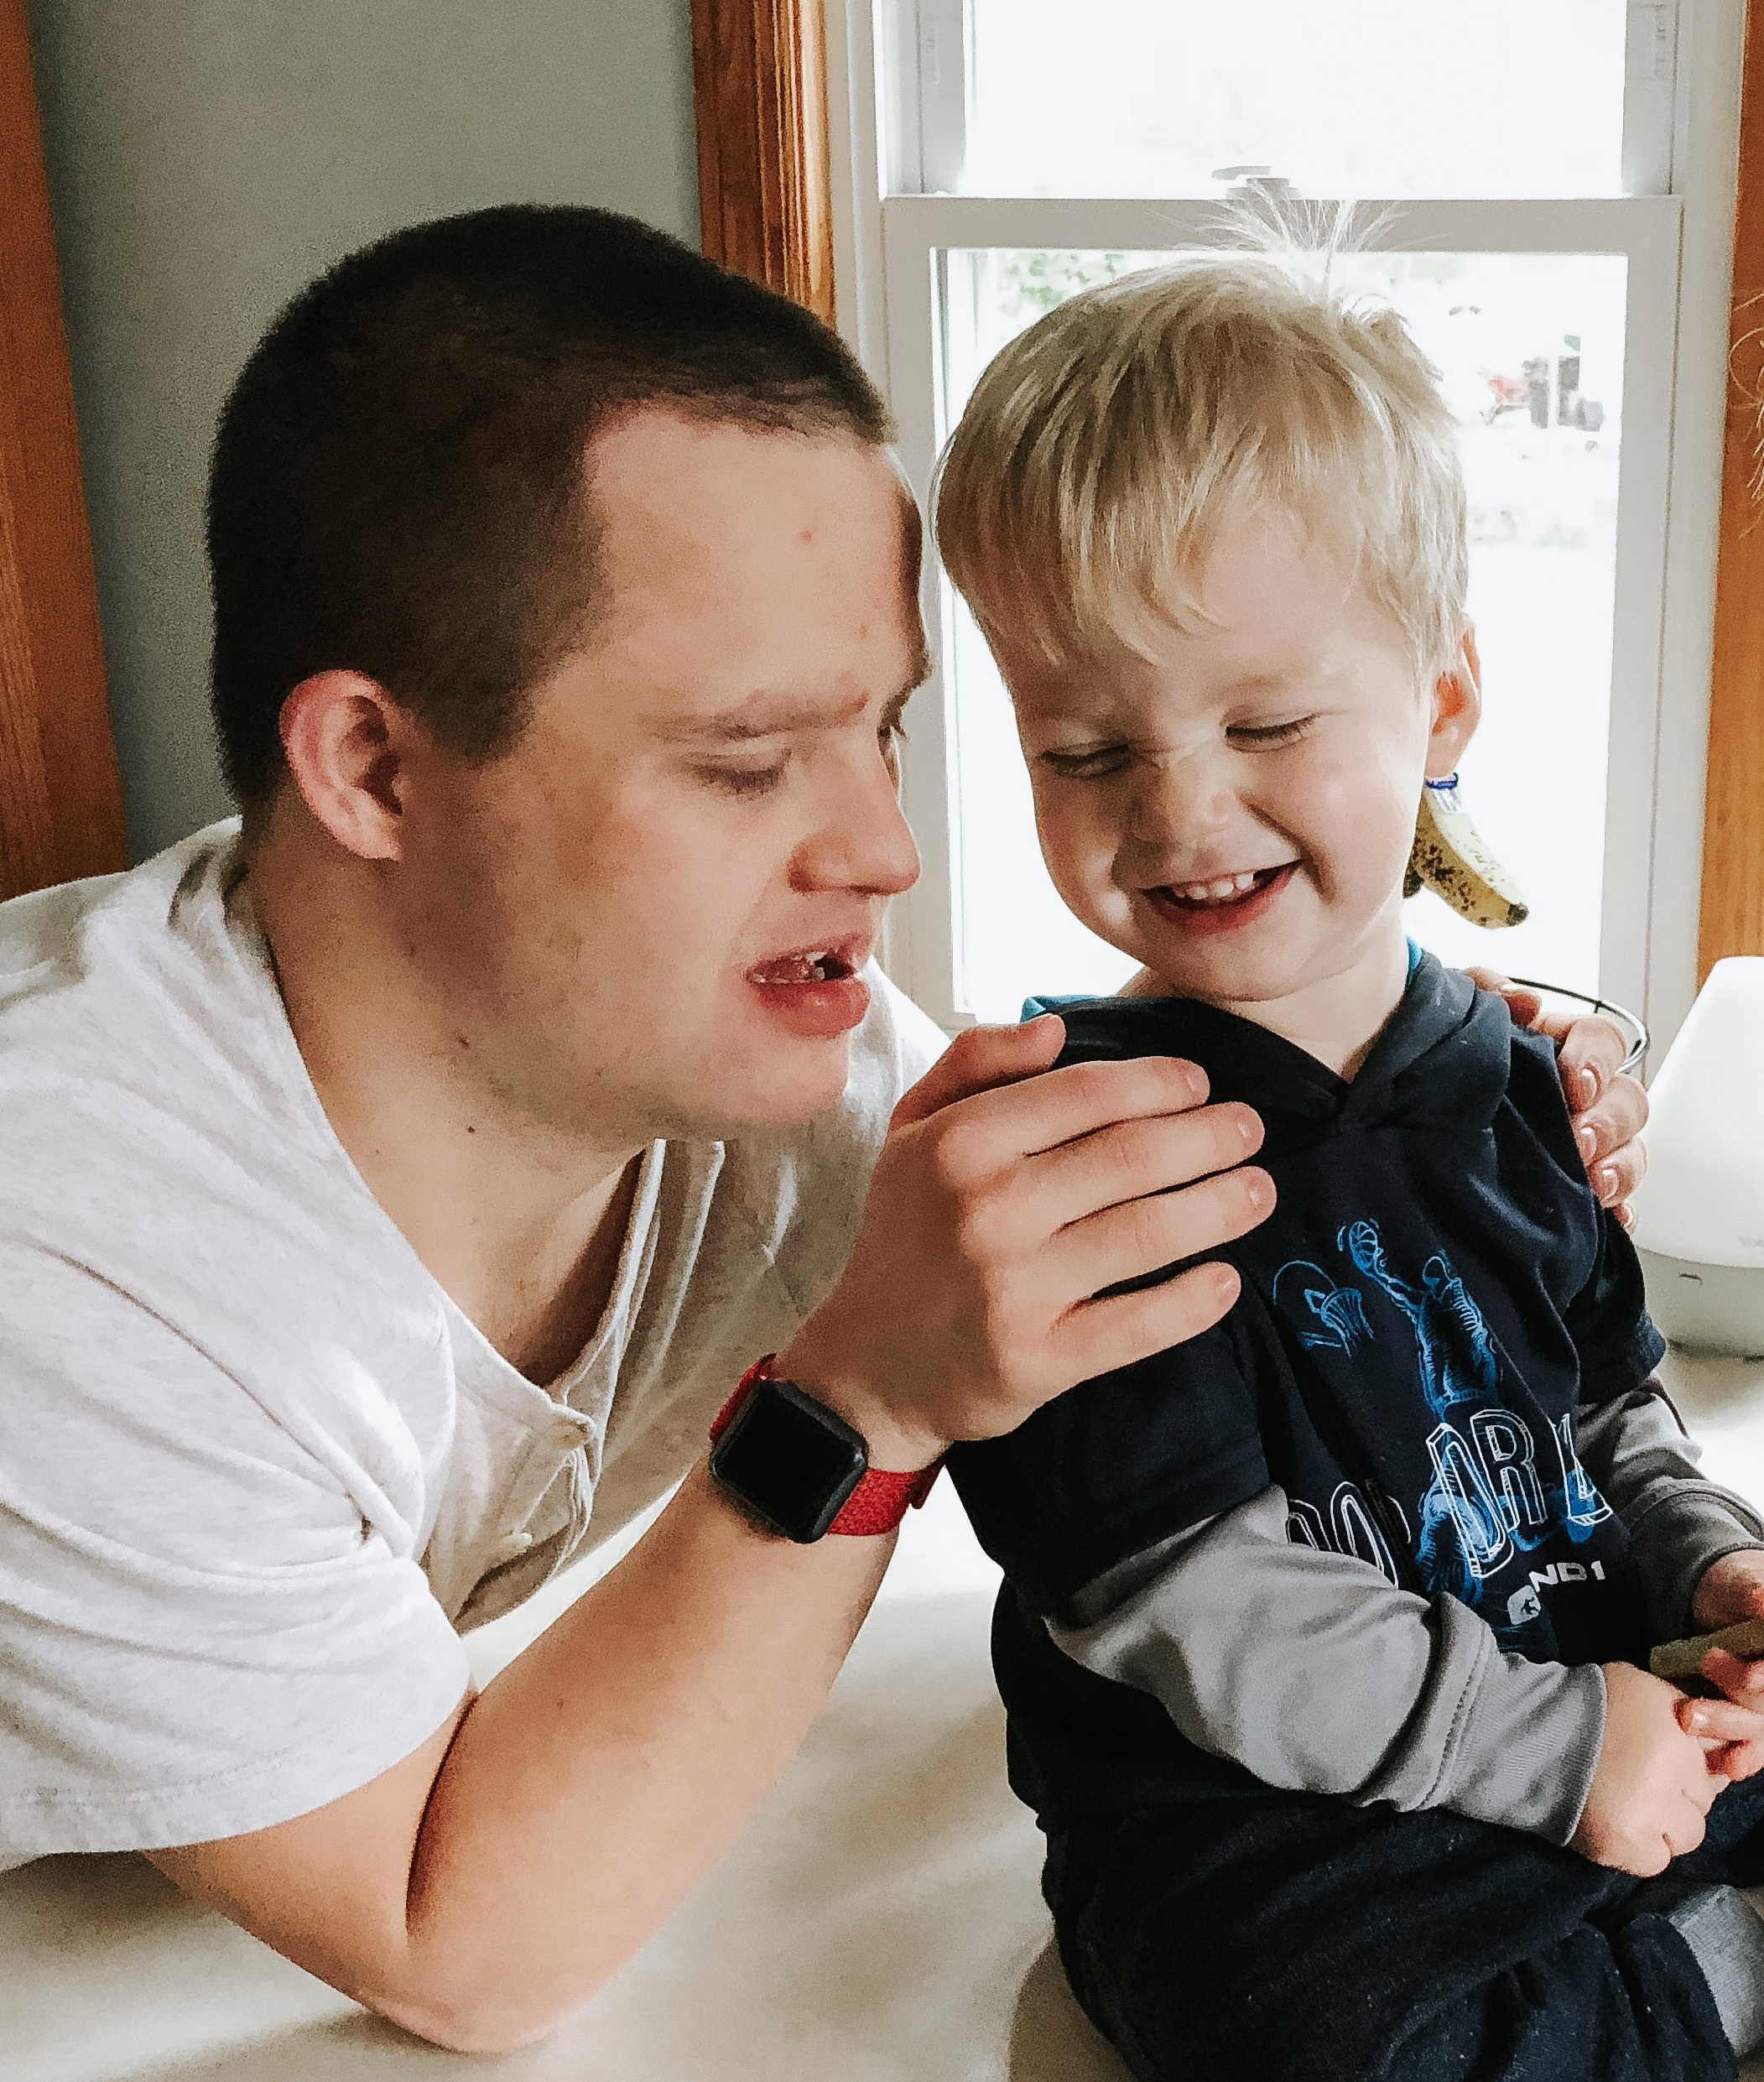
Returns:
(1732, 918)
(764, 179)
(60, 802)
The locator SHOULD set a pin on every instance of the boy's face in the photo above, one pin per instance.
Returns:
(1236, 812)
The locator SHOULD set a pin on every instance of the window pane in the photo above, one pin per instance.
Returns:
(1530, 350)
(1354, 97)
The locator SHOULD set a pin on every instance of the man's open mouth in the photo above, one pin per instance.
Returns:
(812, 965)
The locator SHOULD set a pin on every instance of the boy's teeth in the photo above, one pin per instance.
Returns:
(1220, 890)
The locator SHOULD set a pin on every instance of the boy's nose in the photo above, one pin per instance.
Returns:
(1183, 803)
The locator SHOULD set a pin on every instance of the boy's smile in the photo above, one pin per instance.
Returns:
(1235, 808)
(1225, 904)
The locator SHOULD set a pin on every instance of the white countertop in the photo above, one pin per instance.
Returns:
(879, 1922)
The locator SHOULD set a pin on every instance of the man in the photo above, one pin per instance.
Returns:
(386, 1186)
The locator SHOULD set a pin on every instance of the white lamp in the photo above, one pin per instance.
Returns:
(1699, 1214)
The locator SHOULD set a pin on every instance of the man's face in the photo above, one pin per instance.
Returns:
(1237, 810)
(647, 916)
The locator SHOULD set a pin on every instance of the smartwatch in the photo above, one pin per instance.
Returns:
(799, 1468)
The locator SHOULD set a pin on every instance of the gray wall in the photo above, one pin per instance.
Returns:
(207, 157)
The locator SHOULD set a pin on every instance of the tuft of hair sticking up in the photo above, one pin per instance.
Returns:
(1104, 448)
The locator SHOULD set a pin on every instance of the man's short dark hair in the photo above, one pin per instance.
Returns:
(397, 486)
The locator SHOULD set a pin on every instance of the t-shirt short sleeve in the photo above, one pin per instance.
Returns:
(203, 1631)
(1114, 1465)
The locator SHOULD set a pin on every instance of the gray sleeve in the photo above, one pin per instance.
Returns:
(1645, 1465)
(1318, 1674)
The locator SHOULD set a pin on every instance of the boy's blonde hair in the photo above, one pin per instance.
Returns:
(1104, 449)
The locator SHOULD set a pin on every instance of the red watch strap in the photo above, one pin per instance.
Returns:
(883, 1497)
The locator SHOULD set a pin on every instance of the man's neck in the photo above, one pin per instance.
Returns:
(521, 1226)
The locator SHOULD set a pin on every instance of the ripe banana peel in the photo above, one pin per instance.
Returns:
(1448, 857)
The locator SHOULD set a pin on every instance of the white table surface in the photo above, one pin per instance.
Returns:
(879, 1922)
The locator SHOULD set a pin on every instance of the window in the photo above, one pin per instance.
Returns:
(1555, 231)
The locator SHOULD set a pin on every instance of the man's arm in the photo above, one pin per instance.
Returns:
(483, 1887)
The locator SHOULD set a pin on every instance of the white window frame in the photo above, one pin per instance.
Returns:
(1674, 227)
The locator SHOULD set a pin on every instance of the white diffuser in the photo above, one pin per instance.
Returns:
(1699, 1214)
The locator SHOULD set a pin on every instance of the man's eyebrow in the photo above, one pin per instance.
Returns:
(764, 716)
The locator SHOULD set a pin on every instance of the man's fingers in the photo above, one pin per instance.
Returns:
(1100, 1336)
(1523, 1003)
(981, 1059)
(1128, 1240)
(1590, 1050)
(1128, 1160)
(1615, 1118)
(996, 1129)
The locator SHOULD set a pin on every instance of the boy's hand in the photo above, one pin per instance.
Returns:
(1731, 1728)
(1653, 1785)
(1609, 1107)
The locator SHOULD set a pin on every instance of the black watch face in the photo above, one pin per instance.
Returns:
(790, 1461)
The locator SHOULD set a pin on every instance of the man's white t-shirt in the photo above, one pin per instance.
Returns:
(256, 1470)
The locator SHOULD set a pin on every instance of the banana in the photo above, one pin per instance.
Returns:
(1449, 857)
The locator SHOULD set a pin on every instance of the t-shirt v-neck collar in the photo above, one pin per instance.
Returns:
(586, 1384)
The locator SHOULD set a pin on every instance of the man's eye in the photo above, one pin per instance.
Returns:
(1095, 764)
(1265, 736)
(750, 780)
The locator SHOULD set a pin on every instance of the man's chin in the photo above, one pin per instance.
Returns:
(788, 1087)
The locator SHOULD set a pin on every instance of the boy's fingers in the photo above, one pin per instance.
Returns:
(1738, 1679)
(1721, 1720)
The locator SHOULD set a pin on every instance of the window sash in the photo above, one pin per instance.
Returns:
(925, 93)
(1682, 124)
(924, 947)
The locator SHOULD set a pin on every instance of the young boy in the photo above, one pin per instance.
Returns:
(1321, 1636)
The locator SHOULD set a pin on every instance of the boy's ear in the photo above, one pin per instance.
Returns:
(1457, 708)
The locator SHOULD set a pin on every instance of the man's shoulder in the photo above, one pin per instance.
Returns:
(154, 1116)
(82, 963)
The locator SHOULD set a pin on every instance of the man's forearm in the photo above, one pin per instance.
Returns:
(515, 1866)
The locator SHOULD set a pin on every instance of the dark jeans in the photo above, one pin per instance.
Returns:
(1285, 1937)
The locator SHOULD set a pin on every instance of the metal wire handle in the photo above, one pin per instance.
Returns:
(1633, 1025)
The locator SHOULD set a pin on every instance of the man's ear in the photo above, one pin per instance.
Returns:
(344, 737)
(1457, 708)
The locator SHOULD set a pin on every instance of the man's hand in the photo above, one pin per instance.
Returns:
(1653, 1787)
(1609, 1107)
(999, 1210)
(1730, 1728)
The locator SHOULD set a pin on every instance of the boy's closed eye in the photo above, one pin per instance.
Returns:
(1090, 762)
(1269, 736)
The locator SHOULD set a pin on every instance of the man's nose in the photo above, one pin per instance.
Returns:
(863, 841)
